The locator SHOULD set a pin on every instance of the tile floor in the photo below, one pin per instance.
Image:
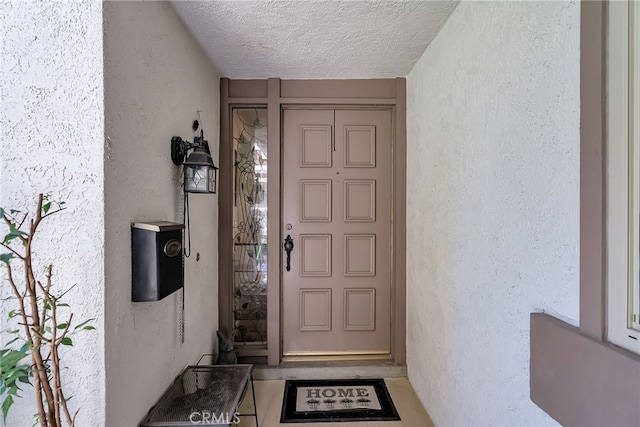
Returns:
(269, 396)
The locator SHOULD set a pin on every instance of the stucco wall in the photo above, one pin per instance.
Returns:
(156, 78)
(493, 200)
(51, 140)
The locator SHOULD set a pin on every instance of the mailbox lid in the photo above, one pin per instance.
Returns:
(158, 226)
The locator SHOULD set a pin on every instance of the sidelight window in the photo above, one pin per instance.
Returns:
(249, 127)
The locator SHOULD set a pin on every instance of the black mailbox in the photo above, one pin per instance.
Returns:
(156, 260)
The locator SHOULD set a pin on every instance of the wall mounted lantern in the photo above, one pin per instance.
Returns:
(200, 174)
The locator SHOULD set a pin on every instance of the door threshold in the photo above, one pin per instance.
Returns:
(334, 357)
(330, 369)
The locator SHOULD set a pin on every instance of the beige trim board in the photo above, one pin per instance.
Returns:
(248, 102)
(360, 89)
(592, 172)
(337, 106)
(225, 213)
(339, 101)
(244, 350)
(581, 381)
(274, 206)
(247, 88)
(399, 221)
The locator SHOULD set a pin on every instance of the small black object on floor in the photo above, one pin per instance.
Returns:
(307, 401)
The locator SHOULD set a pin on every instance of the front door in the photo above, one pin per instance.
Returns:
(337, 210)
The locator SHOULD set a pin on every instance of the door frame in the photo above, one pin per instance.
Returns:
(276, 95)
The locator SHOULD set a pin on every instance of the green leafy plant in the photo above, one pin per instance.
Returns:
(44, 321)
(12, 372)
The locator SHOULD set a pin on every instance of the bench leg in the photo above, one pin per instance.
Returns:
(255, 404)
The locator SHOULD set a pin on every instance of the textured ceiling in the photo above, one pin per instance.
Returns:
(314, 39)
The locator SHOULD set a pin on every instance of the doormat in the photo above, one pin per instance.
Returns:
(337, 400)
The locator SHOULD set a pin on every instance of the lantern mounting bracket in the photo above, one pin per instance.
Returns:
(180, 148)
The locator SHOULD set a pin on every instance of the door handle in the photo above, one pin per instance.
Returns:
(288, 247)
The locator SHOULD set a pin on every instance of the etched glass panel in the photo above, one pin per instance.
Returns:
(250, 225)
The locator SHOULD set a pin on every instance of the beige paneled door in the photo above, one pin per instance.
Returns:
(337, 211)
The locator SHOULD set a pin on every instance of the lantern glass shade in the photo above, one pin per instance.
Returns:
(200, 173)
(199, 179)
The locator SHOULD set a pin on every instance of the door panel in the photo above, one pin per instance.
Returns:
(315, 255)
(337, 208)
(315, 200)
(360, 200)
(359, 255)
(315, 309)
(316, 145)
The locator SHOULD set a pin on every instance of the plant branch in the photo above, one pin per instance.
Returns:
(48, 214)
(38, 317)
(54, 349)
(16, 253)
(20, 298)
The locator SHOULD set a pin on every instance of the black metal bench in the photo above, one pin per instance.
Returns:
(205, 395)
